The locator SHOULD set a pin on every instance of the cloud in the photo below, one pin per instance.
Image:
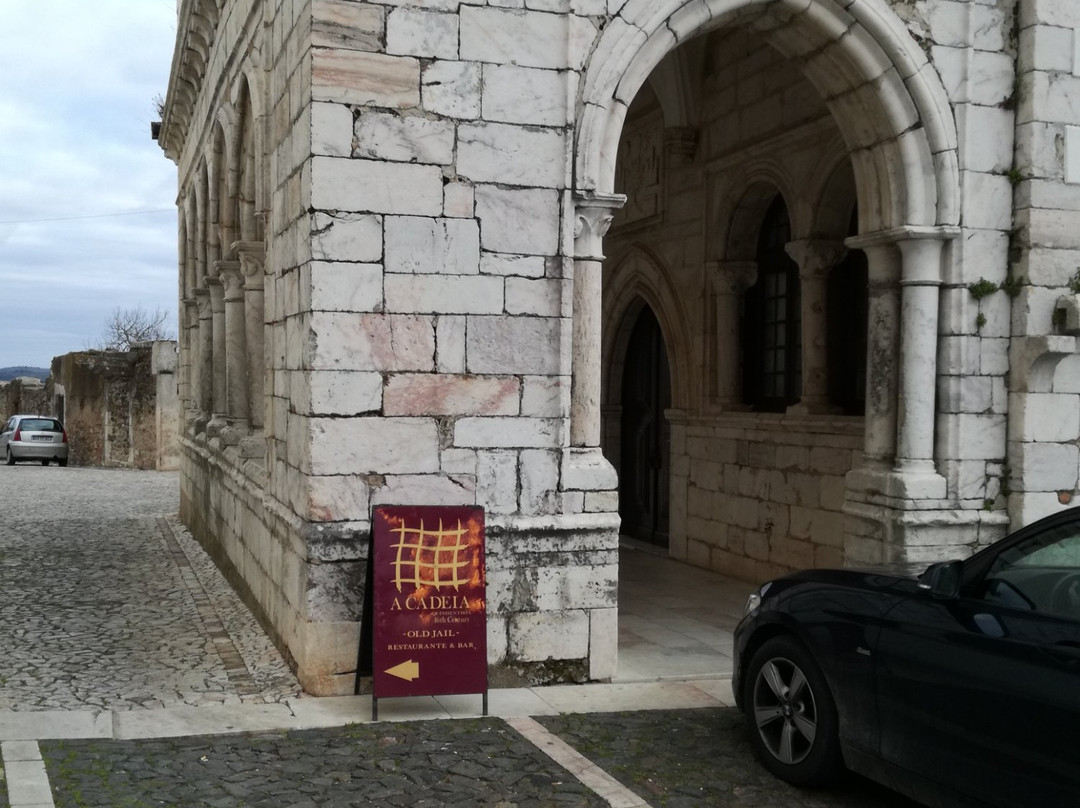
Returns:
(83, 186)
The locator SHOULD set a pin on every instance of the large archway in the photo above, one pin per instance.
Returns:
(863, 135)
(875, 79)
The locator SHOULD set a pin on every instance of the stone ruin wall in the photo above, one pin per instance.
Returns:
(24, 395)
(109, 402)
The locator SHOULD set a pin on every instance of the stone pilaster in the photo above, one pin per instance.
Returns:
(883, 337)
(202, 361)
(189, 336)
(729, 281)
(815, 259)
(905, 276)
(252, 257)
(236, 377)
(217, 374)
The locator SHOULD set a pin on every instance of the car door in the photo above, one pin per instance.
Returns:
(981, 693)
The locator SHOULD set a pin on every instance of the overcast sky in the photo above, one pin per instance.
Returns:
(87, 199)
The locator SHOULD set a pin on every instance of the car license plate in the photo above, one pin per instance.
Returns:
(41, 437)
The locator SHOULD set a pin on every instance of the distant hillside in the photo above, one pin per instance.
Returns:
(7, 374)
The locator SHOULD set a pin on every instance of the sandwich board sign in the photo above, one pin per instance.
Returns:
(429, 602)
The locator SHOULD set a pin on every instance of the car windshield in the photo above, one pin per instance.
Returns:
(39, 425)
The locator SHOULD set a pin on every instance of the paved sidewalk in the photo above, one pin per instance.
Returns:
(132, 676)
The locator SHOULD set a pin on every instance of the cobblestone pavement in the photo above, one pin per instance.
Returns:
(106, 604)
(666, 758)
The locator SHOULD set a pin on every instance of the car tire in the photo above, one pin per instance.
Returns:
(10, 458)
(62, 462)
(44, 462)
(791, 714)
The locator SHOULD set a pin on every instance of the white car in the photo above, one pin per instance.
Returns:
(34, 437)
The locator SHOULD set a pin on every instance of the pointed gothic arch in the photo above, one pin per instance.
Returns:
(641, 278)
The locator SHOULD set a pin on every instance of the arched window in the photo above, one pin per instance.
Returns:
(772, 324)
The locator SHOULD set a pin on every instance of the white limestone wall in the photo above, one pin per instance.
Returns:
(419, 200)
(971, 46)
(756, 497)
(431, 353)
(1044, 408)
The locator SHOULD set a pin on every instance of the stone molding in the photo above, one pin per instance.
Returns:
(196, 26)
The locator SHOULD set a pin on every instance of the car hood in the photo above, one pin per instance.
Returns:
(902, 578)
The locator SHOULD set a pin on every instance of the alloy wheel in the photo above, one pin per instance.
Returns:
(785, 711)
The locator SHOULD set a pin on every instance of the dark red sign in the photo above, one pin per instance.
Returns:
(430, 614)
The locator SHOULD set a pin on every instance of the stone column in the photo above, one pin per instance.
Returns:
(216, 377)
(252, 259)
(729, 281)
(815, 259)
(202, 361)
(920, 282)
(189, 331)
(883, 339)
(593, 213)
(905, 275)
(236, 377)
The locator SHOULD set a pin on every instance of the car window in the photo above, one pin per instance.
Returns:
(1039, 574)
(1057, 547)
(39, 425)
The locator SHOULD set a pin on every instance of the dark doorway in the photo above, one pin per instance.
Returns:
(646, 435)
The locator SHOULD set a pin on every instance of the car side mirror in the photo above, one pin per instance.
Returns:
(942, 580)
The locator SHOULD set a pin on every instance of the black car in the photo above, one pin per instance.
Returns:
(959, 687)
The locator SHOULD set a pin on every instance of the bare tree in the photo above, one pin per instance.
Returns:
(126, 327)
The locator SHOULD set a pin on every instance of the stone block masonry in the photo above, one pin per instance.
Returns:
(774, 283)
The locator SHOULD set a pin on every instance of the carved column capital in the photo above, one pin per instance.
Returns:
(731, 277)
(815, 257)
(593, 214)
(892, 243)
(231, 277)
(252, 255)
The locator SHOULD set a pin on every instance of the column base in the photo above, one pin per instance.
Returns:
(897, 485)
(216, 424)
(586, 469)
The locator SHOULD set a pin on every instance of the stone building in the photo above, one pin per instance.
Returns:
(771, 283)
